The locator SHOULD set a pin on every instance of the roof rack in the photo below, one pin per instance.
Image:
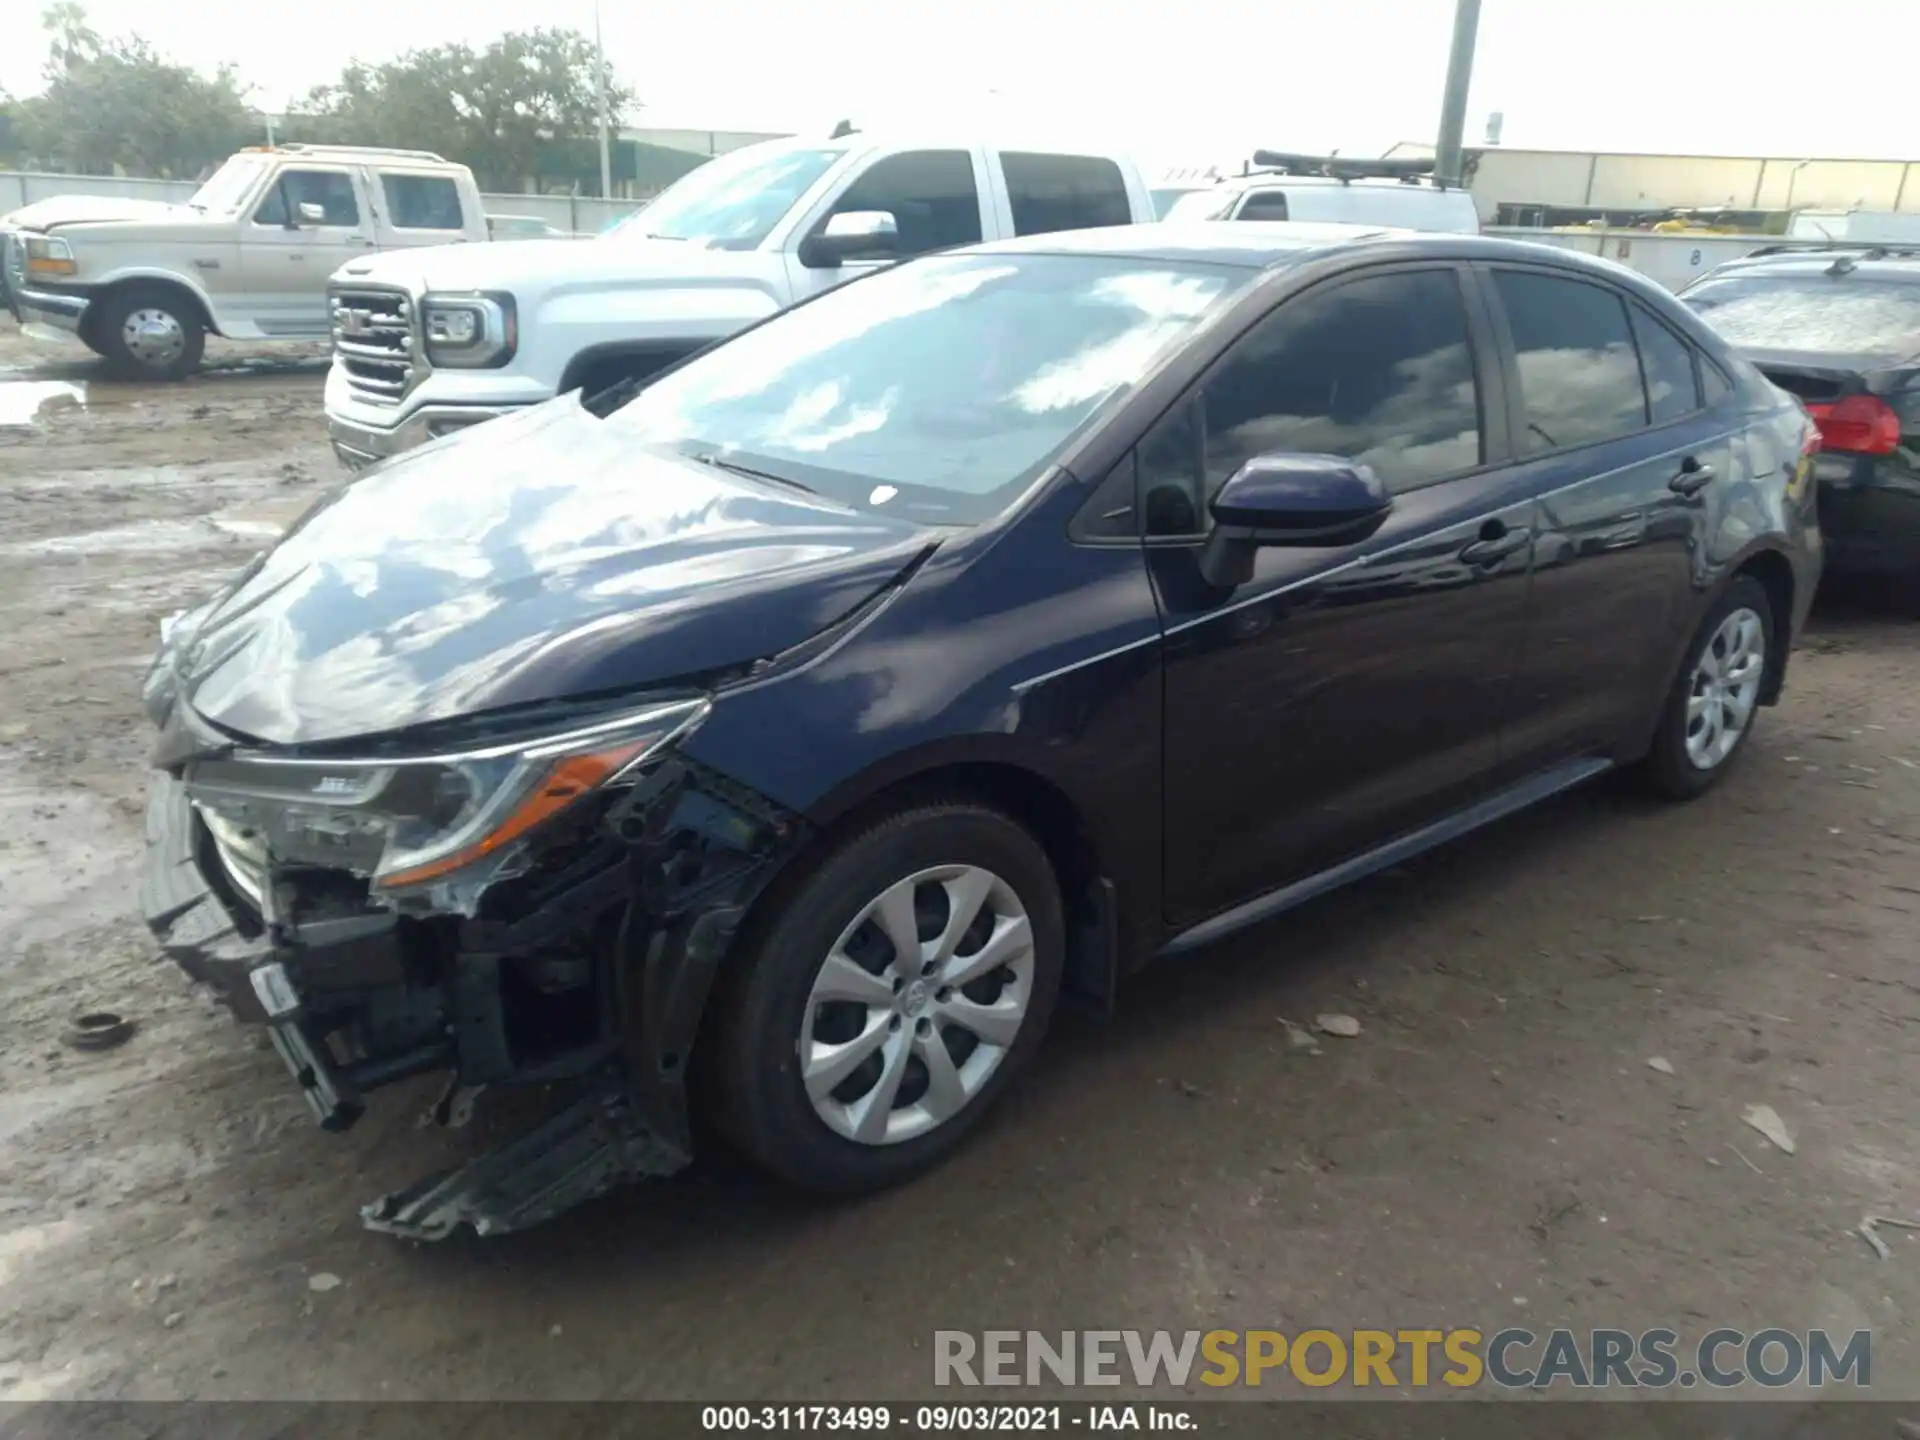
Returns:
(1865, 249)
(306, 149)
(1408, 169)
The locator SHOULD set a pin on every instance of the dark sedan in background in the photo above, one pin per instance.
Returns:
(787, 740)
(1838, 325)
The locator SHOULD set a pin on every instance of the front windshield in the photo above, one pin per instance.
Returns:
(225, 189)
(1203, 205)
(1824, 314)
(937, 390)
(731, 203)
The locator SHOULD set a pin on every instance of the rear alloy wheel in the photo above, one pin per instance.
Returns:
(1710, 712)
(889, 997)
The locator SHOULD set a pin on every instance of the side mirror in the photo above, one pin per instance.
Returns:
(1320, 500)
(851, 235)
(311, 214)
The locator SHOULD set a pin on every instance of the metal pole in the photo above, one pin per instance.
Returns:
(600, 87)
(1453, 104)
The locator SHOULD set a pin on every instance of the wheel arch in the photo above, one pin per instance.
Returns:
(164, 281)
(622, 359)
(1775, 573)
(986, 774)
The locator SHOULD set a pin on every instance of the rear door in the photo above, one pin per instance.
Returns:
(286, 258)
(1616, 437)
(1343, 696)
(1048, 192)
(418, 207)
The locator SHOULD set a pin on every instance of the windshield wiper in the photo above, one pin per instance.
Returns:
(709, 458)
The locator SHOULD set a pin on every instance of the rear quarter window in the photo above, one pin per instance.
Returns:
(422, 202)
(1064, 192)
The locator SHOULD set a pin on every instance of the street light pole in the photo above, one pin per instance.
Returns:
(600, 88)
(1453, 104)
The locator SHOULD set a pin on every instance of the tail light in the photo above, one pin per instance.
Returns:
(1858, 424)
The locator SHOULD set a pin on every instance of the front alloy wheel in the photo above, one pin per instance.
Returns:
(917, 1004)
(887, 991)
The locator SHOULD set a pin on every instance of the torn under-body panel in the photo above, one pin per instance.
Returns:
(592, 964)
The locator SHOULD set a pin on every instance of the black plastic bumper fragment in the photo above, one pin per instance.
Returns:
(594, 1146)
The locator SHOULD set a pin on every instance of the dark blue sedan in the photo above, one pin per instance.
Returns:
(789, 739)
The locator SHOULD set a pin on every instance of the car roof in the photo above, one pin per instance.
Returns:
(1253, 244)
(1267, 244)
(1863, 261)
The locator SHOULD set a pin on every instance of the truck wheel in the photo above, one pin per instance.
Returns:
(149, 333)
(885, 1001)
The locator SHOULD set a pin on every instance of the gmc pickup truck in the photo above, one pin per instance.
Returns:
(434, 341)
(144, 283)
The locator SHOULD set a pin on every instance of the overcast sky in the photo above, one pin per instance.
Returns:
(1200, 81)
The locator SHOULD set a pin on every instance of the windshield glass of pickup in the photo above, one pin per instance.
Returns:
(225, 189)
(1835, 315)
(731, 203)
(937, 390)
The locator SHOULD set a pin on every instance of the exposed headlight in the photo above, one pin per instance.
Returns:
(469, 332)
(49, 255)
(410, 824)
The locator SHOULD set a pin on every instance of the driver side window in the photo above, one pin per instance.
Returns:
(1378, 370)
(331, 190)
(930, 194)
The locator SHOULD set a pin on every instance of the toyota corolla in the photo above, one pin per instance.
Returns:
(788, 740)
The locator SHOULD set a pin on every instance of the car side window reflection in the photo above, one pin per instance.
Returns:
(1579, 372)
(1379, 370)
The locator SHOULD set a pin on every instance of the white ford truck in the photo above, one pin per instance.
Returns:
(433, 341)
(144, 283)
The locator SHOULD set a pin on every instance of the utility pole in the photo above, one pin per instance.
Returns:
(1453, 104)
(600, 87)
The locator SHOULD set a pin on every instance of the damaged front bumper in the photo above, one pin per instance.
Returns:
(593, 969)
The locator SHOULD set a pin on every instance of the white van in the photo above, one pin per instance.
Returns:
(1393, 193)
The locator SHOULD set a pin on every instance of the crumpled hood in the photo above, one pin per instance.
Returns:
(546, 556)
(551, 264)
(89, 209)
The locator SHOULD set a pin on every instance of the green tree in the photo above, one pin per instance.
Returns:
(500, 109)
(115, 104)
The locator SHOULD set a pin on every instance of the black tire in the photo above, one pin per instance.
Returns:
(1668, 768)
(760, 1099)
(108, 327)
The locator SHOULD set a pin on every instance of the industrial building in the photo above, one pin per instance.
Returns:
(1749, 192)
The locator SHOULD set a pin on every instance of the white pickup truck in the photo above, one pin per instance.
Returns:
(433, 341)
(144, 283)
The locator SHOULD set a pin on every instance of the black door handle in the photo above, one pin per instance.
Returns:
(1693, 477)
(1496, 548)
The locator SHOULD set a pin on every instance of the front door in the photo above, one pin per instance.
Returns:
(287, 253)
(934, 196)
(1342, 696)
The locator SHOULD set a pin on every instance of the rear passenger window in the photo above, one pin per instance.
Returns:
(1714, 385)
(930, 194)
(1264, 205)
(1378, 370)
(1667, 362)
(1579, 375)
(1064, 192)
(422, 202)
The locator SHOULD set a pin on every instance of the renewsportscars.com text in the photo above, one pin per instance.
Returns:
(1511, 1358)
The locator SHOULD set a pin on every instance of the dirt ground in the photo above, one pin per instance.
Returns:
(1492, 1148)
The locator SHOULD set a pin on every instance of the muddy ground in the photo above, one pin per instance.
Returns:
(1493, 1146)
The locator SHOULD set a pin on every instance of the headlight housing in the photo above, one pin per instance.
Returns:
(436, 827)
(48, 256)
(477, 331)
